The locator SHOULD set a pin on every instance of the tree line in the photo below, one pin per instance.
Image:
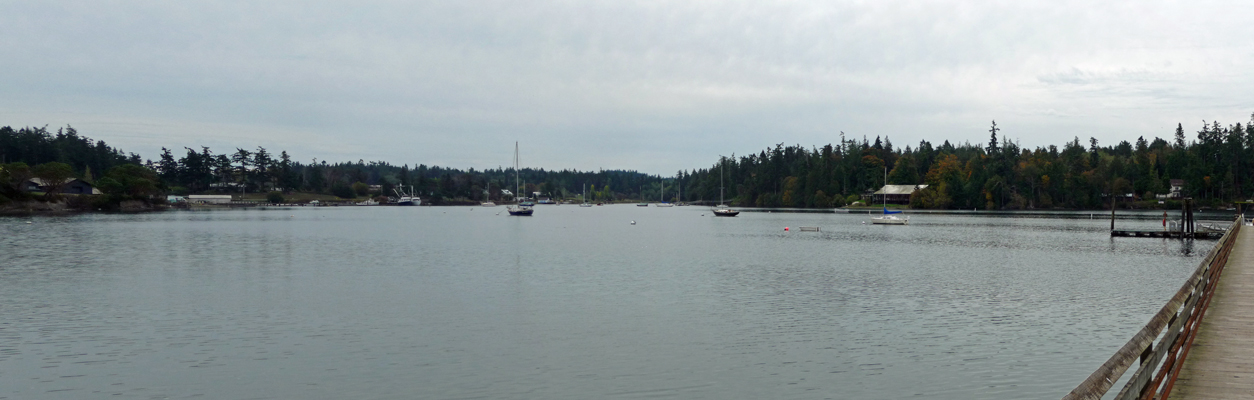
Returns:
(202, 170)
(57, 159)
(1215, 165)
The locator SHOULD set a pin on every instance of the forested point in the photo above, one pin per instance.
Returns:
(1214, 166)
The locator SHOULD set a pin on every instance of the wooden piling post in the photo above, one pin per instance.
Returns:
(1113, 199)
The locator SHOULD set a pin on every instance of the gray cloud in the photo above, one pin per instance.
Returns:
(655, 86)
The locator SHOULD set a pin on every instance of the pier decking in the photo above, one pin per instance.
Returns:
(1221, 362)
(1160, 350)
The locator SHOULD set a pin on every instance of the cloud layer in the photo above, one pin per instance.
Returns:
(653, 86)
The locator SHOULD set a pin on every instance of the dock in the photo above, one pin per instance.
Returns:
(1220, 338)
(1221, 362)
(1184, 228)
(1167, 234)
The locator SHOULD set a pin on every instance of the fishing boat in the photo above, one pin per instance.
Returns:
(524, 207)
(888, 218)
(404, 198)
(723, 210)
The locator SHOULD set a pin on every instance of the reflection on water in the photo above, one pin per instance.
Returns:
(573, 303)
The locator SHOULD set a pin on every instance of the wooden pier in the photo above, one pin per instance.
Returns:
(1186, 228)
(1167, 234)
(1223, 364)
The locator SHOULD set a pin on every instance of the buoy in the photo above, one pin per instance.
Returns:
(785, 229)
(633, 222)
(28, 222)
(863, 222)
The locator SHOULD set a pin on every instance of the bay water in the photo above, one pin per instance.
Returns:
(573, 303)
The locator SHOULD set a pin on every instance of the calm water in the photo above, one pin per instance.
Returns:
(574, 303)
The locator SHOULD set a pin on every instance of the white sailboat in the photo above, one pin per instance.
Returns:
(680, 196)
(523, 209)
(888, 218)
(584, 196)
(487, 200)
(663, 197)
(722, 210)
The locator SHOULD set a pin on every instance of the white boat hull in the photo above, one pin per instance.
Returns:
(889, 220)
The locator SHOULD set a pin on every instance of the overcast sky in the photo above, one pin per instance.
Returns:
(651, 86)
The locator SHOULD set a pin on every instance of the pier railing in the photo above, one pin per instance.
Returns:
(1174, 327)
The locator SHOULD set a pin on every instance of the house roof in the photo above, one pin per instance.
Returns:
(40, 182)
(1177, 182)
(899, 189)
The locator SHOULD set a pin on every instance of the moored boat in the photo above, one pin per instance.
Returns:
(722, 210)
(524, 207)
(584, 197)
(888, 218)
(663, 197)
(406, 198)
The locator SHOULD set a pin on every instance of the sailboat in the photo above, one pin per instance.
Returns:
(584, 196)
(888, 218)
(681, 202)
(523, 209)
(642, 202)
(663, 196)
(487, 200)
(722, 210)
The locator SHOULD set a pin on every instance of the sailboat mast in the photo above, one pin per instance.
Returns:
(516, 192)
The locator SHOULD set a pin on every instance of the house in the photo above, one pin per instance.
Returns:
(73, 186)
(896, 194)
(209, 199)
(1177, 189)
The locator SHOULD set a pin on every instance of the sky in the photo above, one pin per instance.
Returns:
(652, 86)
